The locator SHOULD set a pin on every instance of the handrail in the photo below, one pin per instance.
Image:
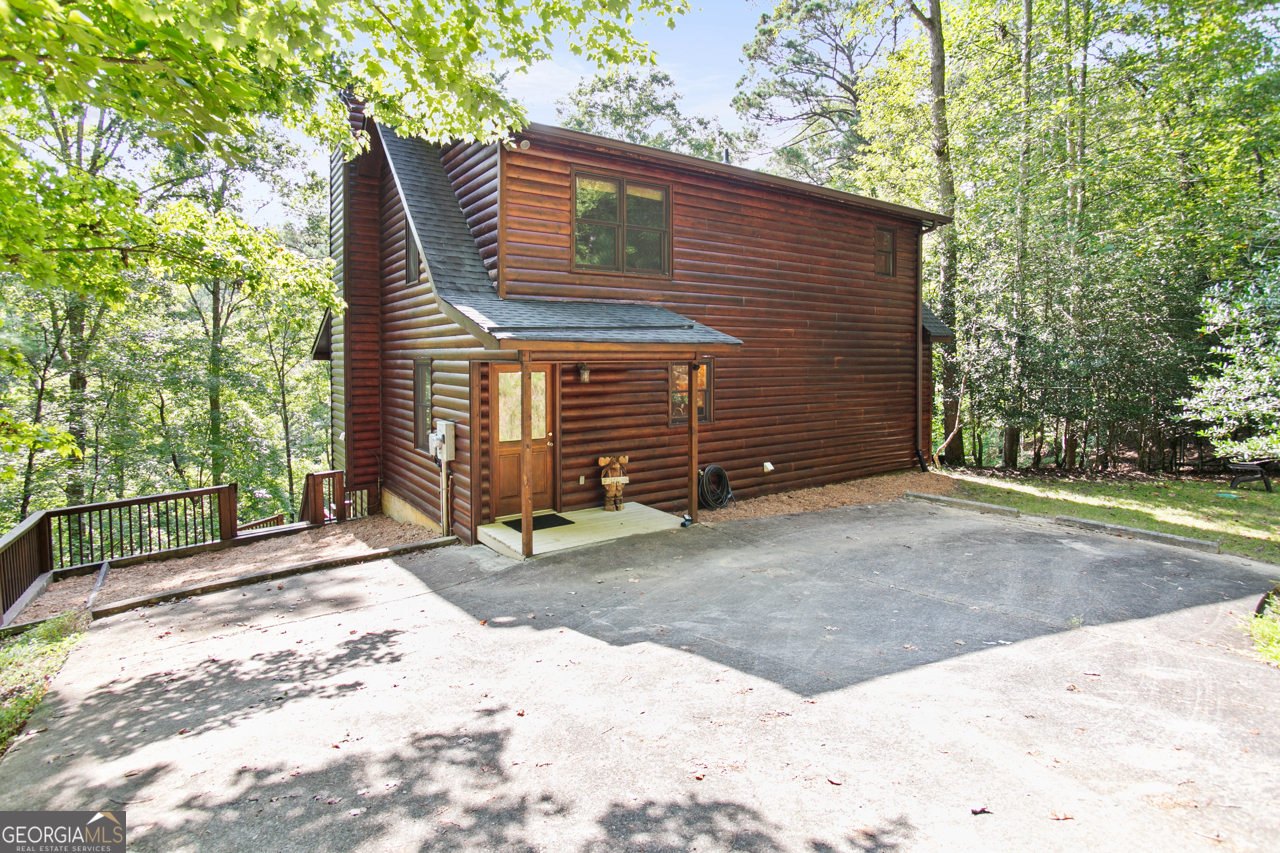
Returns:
(23, 526)
(269, 521)
(143, 499)
(24, 557)
(76, 536)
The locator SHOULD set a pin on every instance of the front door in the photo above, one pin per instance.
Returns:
(507, 425)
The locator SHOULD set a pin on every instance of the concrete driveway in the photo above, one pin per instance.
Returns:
(849, 680)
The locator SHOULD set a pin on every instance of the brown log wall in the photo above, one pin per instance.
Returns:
(412, 326)
(337, 365)
(825, 384)
(361, 324)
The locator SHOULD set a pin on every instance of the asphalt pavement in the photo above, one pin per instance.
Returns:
(890, 677)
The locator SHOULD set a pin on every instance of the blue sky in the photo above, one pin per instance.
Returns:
(703, 54)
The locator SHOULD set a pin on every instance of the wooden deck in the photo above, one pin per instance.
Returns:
(590, 527)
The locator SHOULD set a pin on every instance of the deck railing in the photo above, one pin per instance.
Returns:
(321, 502)
(263, 523)
(24, 556)
(90, 534)
(76, 536)
(79, 536)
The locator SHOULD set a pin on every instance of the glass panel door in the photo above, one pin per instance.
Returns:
(509, 405)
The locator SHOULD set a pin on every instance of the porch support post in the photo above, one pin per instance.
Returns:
(693, 439)
(526, 455)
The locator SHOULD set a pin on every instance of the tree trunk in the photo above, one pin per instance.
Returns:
(77, 385)
(217, 452)
(28, 473)
(284, 421)
(1012, 445)
(953, 453)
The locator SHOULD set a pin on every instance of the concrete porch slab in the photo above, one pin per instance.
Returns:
(590, 527)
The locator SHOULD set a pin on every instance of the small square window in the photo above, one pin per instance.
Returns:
(704, 391)
(421, 402)
(411, 263)
(620, 225)
(885, 251)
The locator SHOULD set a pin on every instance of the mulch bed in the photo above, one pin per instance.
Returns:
(349, 539)
(867, 490)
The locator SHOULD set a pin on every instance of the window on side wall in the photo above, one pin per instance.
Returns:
(411, 264)
(620, 225)
(421, 402)
(886, 251)
(704, 392)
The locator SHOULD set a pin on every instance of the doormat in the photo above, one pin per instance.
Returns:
(540, 522)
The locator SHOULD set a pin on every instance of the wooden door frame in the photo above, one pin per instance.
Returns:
(553, 421)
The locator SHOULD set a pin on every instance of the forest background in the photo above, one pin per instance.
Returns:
(1111, 275)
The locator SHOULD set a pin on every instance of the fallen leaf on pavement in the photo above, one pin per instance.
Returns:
(983, 810)
(1060, 816)
(520, 713)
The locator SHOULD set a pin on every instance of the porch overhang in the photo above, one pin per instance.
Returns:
(562, 351)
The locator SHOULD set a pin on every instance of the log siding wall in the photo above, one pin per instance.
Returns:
(361, 335)
(338, 170)
(412, 326)
(825, 384)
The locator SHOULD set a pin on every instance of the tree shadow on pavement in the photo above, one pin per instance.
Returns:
(819, 601)
(675, 827)
(126, 715)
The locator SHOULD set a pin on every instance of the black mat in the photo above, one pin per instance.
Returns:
(540, 522)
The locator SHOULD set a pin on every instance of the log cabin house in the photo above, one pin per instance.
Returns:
(556, 297)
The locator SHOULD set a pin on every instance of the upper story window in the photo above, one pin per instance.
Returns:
(886, 251)
(620, 225)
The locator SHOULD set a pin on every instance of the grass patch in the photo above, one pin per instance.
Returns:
(1265, 630)
(28, 662)
(1247, 524)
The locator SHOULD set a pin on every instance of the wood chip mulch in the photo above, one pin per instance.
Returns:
(867, 490)
(349, 539)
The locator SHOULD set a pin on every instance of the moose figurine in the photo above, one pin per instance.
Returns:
(614, 477)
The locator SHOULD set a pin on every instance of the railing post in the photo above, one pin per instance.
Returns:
(228, 517)
(45, 558)
(340, 495)
(315, 500)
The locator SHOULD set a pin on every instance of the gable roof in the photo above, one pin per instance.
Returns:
(938, 330)
(615, 147)
(458, 274)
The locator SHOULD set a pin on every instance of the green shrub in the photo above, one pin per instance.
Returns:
(28, 662)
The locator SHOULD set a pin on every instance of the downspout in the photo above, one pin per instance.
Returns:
(919, 347)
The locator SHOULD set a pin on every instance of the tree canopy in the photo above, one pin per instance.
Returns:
(209, 69)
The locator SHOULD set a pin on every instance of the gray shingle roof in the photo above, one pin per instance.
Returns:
(938, 330)
(460, 278)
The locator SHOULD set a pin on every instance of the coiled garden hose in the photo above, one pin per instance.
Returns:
(714, 491)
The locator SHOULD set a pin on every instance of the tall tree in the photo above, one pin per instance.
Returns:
(642, 106)
(933, 24)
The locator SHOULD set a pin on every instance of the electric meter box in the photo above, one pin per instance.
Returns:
(440, 442)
